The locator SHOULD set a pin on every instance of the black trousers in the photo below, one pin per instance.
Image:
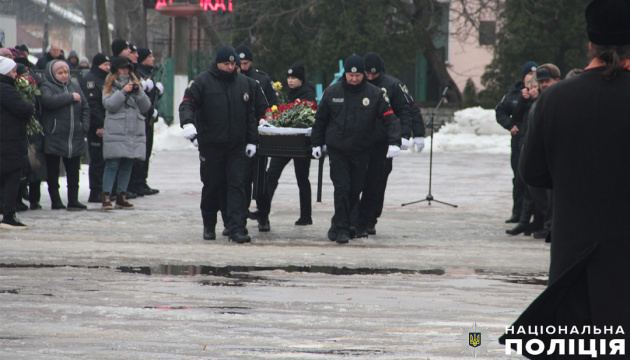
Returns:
(10, 184)
(72, 166)
(97, 164)
(302, 168)
(370, 206)
(222, 173)
(518, 185)
(140, 171)
(347, 172)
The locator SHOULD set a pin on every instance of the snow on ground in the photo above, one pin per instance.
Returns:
(473, 130)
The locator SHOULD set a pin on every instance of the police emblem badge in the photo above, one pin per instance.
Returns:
(475, 340)
(290, 71)
(231, 58)
(366, 101)
(90, 84)
(246, 97)
(354, 69)
(241, 55)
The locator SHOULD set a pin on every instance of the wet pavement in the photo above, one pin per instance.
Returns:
(143, 284)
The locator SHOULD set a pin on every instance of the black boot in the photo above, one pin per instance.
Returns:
(34, 194)
(208, 233)
(73, 200)
(512, 220)
(55, 199)
(240, 238)
(95, 196)
(518, 229)
(263, 224)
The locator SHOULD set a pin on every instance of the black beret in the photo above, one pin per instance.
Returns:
(608, 22)
(297, 70)
(354, 64)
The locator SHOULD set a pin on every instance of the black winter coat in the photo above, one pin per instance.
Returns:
(92, 86)
(505, 108)
(45, 59)
(65, 121)
(347, 115)
(221, 106)
(304, 92)
(577, 144)
(265, 84)
(14, 114)
(394, 90)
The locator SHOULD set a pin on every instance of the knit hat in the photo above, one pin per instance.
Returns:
(23, 48)
(528, 67)
(297, 70)
(99, 59)
(132, 47)
(58, 64)
(24, 61)
(143, 53)
(225, 54)
(6, 65)
(374, 63)
(120, 63)
(119, 45)
(84, 59)
(608, 22)
(354, 64)
(5, 52)
(547, 71)
(244, 52)
(21, 69)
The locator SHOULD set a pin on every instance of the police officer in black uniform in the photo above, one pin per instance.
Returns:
(379, 168)
(268, 94)
(92, 86)
(145, 70)
(346, 123)
(218, 108)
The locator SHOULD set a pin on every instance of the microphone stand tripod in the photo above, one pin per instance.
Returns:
(429, 196)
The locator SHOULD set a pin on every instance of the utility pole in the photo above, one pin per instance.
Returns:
(46, 27)
(91, 38)
(103, 26)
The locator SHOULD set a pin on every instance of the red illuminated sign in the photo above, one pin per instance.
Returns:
(212, 5)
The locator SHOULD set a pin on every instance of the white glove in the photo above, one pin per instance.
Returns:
(143, 83)
(196, 143)
(419, 141)
(404, 144)
(250, 150)
(324, 149)
(155, 113)
(189, 131)
(393, 151)
(317, 152)
(160, 87)
(149, 85)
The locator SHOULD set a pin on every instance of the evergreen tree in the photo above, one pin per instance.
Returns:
(469, 96)
(545, 31)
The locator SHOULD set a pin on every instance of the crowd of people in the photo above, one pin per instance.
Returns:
(51, 119)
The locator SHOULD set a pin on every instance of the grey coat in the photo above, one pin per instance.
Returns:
(66, 122)
(125, 135)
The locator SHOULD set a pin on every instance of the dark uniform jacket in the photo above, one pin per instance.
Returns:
(92, 86)
(417, 122)
(577, 144)
(14, 113)
(505, 108)
(221, 106)
(66, 122)
(265, 84)
(394, 90)
(347, 115)
(304, 92)
(144, 72)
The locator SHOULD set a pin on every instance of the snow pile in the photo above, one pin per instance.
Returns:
(473, 130)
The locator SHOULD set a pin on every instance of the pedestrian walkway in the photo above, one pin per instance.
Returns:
(143, 284)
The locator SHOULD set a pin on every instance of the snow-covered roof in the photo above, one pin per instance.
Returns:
(66, 14)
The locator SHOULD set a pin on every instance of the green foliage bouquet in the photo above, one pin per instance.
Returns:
(27, 88)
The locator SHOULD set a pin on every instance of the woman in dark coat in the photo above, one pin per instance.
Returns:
(66, 120)
(299, 89)
(578, 145)
(14, 115)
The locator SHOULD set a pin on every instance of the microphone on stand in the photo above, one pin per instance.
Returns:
(448, 86)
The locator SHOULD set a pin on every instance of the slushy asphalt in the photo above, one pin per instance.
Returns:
(143, 284)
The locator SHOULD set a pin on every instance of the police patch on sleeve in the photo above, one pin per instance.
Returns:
(366, 101)
(246, 97)
(386, 97)
(190, 83)
(90, 84)
(384, 90)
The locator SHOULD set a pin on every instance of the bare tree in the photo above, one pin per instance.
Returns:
(46, 27)
(134, 16)
(103, 26)
(91, 38)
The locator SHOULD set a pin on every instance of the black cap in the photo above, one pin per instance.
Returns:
(118, 46)
(120, 63)
(99, 59)
(23, 48)
(225, 54)
(547, 71)
(608, 22)
(297, 70)
(374, 63)
(24, 61)
(143, 53)
(354, 64)
(244, 52)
